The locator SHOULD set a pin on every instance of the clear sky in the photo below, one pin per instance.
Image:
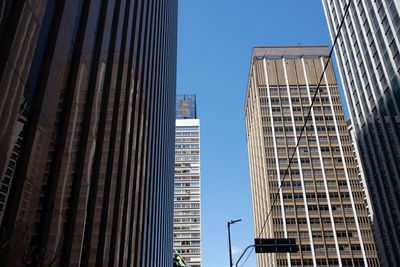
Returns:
(215, 38)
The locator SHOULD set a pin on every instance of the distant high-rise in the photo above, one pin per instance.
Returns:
(187, 211)
(368, 56)
(318, 200)
(87, 115)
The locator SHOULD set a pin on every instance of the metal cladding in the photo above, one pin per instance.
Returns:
(308, 188)
(88, 127)
(368, 57)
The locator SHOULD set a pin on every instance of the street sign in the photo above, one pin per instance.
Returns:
(179, 261)
(275, 245)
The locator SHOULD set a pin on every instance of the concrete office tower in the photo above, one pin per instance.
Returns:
(319, 199)
(187, 217)
(87, 115)
(368, 56)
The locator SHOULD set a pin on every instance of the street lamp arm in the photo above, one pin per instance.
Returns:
(244, 252)
(235, 221)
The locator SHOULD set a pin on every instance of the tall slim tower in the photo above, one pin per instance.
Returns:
(318, 200)
(187, 217)
(368, 55)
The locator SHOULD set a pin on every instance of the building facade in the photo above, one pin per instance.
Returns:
(368, 56)
(187, 204)
(318, 199)
(356, 153)
(87, 141)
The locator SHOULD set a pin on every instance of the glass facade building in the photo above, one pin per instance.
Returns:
(87, 138)
(318, 199)
(187, 209)
(368, 56)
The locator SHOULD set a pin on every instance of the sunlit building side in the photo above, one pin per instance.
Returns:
(318, 200)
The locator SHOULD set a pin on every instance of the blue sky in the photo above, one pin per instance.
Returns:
(215, 38)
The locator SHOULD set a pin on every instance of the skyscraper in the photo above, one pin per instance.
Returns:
(187, 210)
(88, 115)
(368, 56)
(317, 200)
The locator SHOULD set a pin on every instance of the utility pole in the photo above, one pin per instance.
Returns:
(229, 238)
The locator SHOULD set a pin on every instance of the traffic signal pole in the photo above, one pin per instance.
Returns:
(272, 245)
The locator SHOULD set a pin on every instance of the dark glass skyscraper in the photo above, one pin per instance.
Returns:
(88, 127)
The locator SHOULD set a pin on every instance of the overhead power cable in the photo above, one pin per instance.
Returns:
(248, 256)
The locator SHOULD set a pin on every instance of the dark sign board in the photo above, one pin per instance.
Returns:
(275, 245)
